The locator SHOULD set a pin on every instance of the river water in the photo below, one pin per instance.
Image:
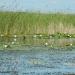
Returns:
(37, 59)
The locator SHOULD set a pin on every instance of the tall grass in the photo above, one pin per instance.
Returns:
(22, 23)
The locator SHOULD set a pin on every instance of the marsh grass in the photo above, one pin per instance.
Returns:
(24, 23)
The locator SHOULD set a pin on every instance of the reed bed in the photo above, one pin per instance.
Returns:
(25, 23)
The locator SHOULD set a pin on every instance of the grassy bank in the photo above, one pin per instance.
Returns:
(22, 23)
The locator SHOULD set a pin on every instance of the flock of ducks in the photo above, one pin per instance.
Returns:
(15, 39)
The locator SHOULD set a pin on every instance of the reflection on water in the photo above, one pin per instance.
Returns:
(36, 58)
(37, 61)
(34, 41)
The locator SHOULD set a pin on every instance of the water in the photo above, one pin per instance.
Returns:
(38, 61)
(31, 57)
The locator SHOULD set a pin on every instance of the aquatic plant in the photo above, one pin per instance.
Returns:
(24, 23)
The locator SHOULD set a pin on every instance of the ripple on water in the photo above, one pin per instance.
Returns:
(38, 60)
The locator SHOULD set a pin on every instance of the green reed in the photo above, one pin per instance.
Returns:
(22, 23)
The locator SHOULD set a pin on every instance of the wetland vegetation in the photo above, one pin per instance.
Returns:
(35, 43)
(22, 23)
(36, 28)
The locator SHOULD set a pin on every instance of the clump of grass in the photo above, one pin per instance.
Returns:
(23, 23)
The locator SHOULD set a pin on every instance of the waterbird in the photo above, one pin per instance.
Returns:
(6, 46)
(40, 35)
(71, 44)
(46, 44)
(70, 36)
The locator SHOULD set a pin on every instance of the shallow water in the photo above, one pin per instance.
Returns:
(30, 56)
(38, 61)
(29, 40)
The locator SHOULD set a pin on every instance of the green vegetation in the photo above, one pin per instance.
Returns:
(24, 23)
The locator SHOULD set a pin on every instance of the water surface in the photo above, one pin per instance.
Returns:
(33, 57)
(38, 61)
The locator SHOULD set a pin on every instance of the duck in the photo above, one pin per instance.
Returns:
(6, 46)
(46, 44)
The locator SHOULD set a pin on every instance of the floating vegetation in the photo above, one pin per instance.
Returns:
(51, 46)
(37, 29)
(12, 43)
(15, 36)
(15, 39)
(52, 43)
(43, 36)
(2, 35)
(44, 40)
(71, 44)
(34, 36)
